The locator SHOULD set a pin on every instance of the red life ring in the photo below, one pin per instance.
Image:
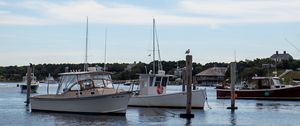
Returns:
(159, 89)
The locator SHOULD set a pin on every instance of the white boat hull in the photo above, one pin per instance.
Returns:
(171, 100)
(101, 104)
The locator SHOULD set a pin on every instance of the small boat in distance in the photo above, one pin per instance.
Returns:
(263, 88)
(33, 86)
(49, 80)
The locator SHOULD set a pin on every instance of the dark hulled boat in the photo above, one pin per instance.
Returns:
(264, 88)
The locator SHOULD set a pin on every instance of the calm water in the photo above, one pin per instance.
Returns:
(249, 113)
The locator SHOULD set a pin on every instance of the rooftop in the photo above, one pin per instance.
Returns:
(213, 71)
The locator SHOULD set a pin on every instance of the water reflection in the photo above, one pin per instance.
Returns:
(188, 122)
(152, 114)
(233, 118)
(80, 119)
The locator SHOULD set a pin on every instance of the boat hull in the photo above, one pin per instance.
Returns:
(33, 88)
(102, 104)
(171, 100)
(287, 93)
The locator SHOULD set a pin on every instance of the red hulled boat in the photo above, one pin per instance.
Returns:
(264, 88)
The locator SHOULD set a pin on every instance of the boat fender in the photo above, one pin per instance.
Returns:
(159, 89)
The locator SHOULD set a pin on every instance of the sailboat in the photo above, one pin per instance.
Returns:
(153, 86)
(50, 79)
(90, 91)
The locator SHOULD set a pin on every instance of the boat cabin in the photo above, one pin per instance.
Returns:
(153, 84)
(33, 79)
(267, 82)
(79, 81)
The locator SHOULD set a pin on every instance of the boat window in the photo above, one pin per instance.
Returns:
(75, 87)
(151, 81)
(164, 81)
(277, 82)
(265, 84)
(88, 84)
(103, 81)
(157, 81)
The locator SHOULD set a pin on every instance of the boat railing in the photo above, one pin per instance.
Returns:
(117, 88)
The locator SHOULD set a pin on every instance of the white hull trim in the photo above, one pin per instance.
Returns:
(171, 100)
(103, 104)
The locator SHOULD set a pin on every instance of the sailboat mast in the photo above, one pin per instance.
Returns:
(159, 65)
(153, 45)
(105, 50)
(86, 45)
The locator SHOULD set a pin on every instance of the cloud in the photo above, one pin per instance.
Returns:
(245, 11)
(7, 18)
(187, 12)
(2, 3)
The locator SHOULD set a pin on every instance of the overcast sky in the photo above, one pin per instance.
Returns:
(36, 31)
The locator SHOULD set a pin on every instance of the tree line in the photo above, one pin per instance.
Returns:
(246, 69)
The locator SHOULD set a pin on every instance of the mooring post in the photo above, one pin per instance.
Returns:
(232, 85)
(188, 113)
(183, 79)
(29, 68)
(48, 83)
(194, 82)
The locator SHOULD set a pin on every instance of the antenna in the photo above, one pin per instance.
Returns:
(153, 45)
(105, 49)
(86, 45)
(291, 44)
(234, 55)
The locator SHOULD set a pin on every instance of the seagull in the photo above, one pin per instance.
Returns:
(187, 51)
(149, 55)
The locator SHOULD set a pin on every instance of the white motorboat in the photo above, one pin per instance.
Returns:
(84, 92)
(90, 91)
(153, 86)
(152, 93)
(33, 85)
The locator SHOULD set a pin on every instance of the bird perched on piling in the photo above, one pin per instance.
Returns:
(187, 51)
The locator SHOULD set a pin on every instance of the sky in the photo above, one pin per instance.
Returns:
(54, 31)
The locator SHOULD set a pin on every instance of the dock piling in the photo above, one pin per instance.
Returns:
(183, 80)
(232, 85)
(188, 113)
(29, 68)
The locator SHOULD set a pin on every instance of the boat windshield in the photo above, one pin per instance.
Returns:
(33, 78)
(277, 82)
(83, 81)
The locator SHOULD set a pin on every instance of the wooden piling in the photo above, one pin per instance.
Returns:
(194, 82)
(48, 83)
(188, 113)
(29, 68)
(183, 79)
(232, 85)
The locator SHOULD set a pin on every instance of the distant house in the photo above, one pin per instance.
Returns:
(213, 75)
(280, 57)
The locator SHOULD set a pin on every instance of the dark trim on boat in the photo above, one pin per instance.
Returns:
(85, 113)
(81, 98)
(173, 107)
